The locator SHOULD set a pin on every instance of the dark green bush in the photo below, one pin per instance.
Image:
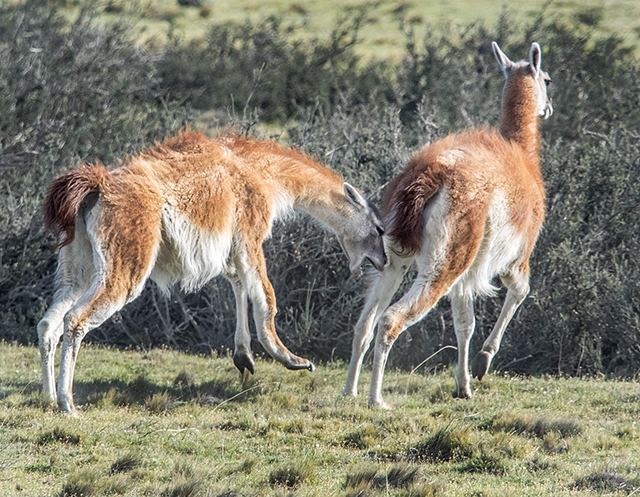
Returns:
(265, 67)
(68, 93)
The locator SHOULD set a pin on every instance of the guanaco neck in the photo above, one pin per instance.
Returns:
(325, 201)
(519, 121)
(314, 189)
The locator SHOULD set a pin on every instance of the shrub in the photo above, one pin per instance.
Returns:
(70, 92)
(269, 67)
(82, 90)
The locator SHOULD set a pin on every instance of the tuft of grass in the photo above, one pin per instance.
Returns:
(444, 445)
(186, 480)
(61, 435)
(126, 463)
(245, 467)
(140, 388)
(534, 426)
(38, 401)
(485, 462)
(361, 480)
(185, 379)
(285, 399)
(291, 476)
(554, 443)
(440, 393)
(363, 437)
(187, 488)
(159, 403)
(604, 481)
(403, 476)
(399, 476)
(112, 398)
(83, 483)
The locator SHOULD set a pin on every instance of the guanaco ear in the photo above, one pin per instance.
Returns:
(354, 196)
(503, 61)
(535, 56)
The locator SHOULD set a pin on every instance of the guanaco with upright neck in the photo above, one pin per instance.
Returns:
(465, 209)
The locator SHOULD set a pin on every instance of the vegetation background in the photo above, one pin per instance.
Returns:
(361, 88)
(82, 82)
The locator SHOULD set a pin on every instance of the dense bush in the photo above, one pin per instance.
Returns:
(86, 92)
(68, 93)
(267, 68)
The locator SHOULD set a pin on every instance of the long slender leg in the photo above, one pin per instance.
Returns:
(446, 254)
(96, 306)
(464, 323)
(410, 309)
(124, 250)
(242, 356)
(72, 280)
(381, 290)
(517, 283)
(263, 299)
(50, 329)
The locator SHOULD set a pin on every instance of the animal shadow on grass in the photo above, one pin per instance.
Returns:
(18, 387)
(158, 398)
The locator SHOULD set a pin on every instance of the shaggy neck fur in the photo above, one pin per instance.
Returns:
(519, 121)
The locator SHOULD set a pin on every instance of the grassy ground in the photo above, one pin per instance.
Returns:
(381, 35)
(167, 423)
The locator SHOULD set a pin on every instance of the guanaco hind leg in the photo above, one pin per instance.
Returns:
(120, 270)
(382, 287)
(410, 309)
(50, 329)
(73, 278)
(437, 273)
(464, 322)
(517, 283)
(252, 272)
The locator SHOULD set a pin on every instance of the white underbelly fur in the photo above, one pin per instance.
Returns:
(188, 255)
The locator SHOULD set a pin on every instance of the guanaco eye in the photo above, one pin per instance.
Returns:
(380, 230)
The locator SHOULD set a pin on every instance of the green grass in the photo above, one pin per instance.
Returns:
(381, 34)
(172, 424)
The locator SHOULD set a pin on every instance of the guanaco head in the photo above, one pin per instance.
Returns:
(533, 69)
(361, 235)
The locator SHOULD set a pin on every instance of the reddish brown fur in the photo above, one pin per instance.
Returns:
(466, 208)
(491, 161)
(518, 121)
(182, 212)
(66, 194)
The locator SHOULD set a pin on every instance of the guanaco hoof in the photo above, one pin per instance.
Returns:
(295, 367)
(480, 364)
(243, 361)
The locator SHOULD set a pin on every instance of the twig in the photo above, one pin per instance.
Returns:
(432, 355)
(236, 395)
(406, 391)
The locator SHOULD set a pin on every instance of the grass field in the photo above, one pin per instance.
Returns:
(381, 36)
(166, 423)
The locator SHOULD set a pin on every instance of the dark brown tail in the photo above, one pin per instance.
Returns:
(406, 199)
(66, 194)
